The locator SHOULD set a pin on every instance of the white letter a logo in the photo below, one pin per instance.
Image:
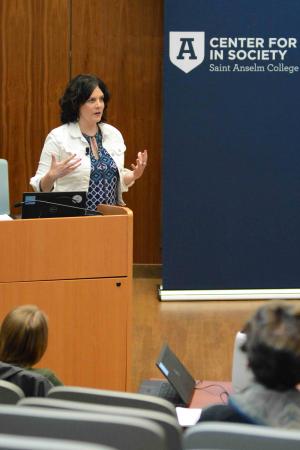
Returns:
(186, 49)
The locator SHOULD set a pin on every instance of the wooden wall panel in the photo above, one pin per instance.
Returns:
(34, 69)
(44, 42)
(121, 41)
(87, 327)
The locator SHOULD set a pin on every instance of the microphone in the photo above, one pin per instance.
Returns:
(88, 212)
(87, 151)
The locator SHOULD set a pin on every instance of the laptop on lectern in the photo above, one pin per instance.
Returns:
(179, 388)
(53, 204)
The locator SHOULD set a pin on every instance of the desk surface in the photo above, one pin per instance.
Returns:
(209, 392)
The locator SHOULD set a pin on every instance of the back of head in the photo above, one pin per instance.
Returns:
(273, 345)
(23, 336)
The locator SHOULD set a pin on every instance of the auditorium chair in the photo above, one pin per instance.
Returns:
(122, 433)
(13, 442)
(170, 425)
(10, 393)
(237, 436)
(242, 375)
(112, 398)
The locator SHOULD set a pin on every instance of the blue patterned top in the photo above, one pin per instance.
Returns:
(104, 177)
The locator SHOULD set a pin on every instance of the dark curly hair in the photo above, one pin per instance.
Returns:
(77, 92)
(273, 345)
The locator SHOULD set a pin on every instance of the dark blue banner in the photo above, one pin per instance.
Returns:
(231, 182)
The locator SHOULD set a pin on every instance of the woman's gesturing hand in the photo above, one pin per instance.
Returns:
(139, 167)
(58, 170)
(64, 167)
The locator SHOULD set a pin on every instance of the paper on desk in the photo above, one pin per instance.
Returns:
(188, 416)
(5, 217)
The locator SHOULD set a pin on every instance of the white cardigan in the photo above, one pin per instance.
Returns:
(67, 140)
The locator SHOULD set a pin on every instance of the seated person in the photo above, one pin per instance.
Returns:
(32, 383)
(24, 339)
(272, 347)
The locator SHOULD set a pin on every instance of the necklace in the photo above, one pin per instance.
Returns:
(93, 143)
(94, 146)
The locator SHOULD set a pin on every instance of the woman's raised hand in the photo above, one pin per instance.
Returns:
(62, 168)
(141, 162)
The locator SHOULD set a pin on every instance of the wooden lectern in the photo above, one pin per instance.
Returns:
(79, 271)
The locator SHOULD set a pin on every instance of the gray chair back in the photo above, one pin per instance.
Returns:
(123, 433)
(236, 436)
(173, 431)
(241, 375)
(112, 398)
(10, 393)
(4, 188)
(10, 442)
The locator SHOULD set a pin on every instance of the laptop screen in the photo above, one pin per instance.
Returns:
(175, 372)
(53, 204)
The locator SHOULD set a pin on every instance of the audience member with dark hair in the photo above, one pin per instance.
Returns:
(273, 351)
(86, 153)
(24, 340)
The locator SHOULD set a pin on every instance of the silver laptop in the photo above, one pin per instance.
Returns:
(179, 388)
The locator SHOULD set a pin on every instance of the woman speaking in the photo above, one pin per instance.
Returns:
(86, 153)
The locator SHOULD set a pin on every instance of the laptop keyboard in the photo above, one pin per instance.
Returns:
(167, 392)
(161, 389)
